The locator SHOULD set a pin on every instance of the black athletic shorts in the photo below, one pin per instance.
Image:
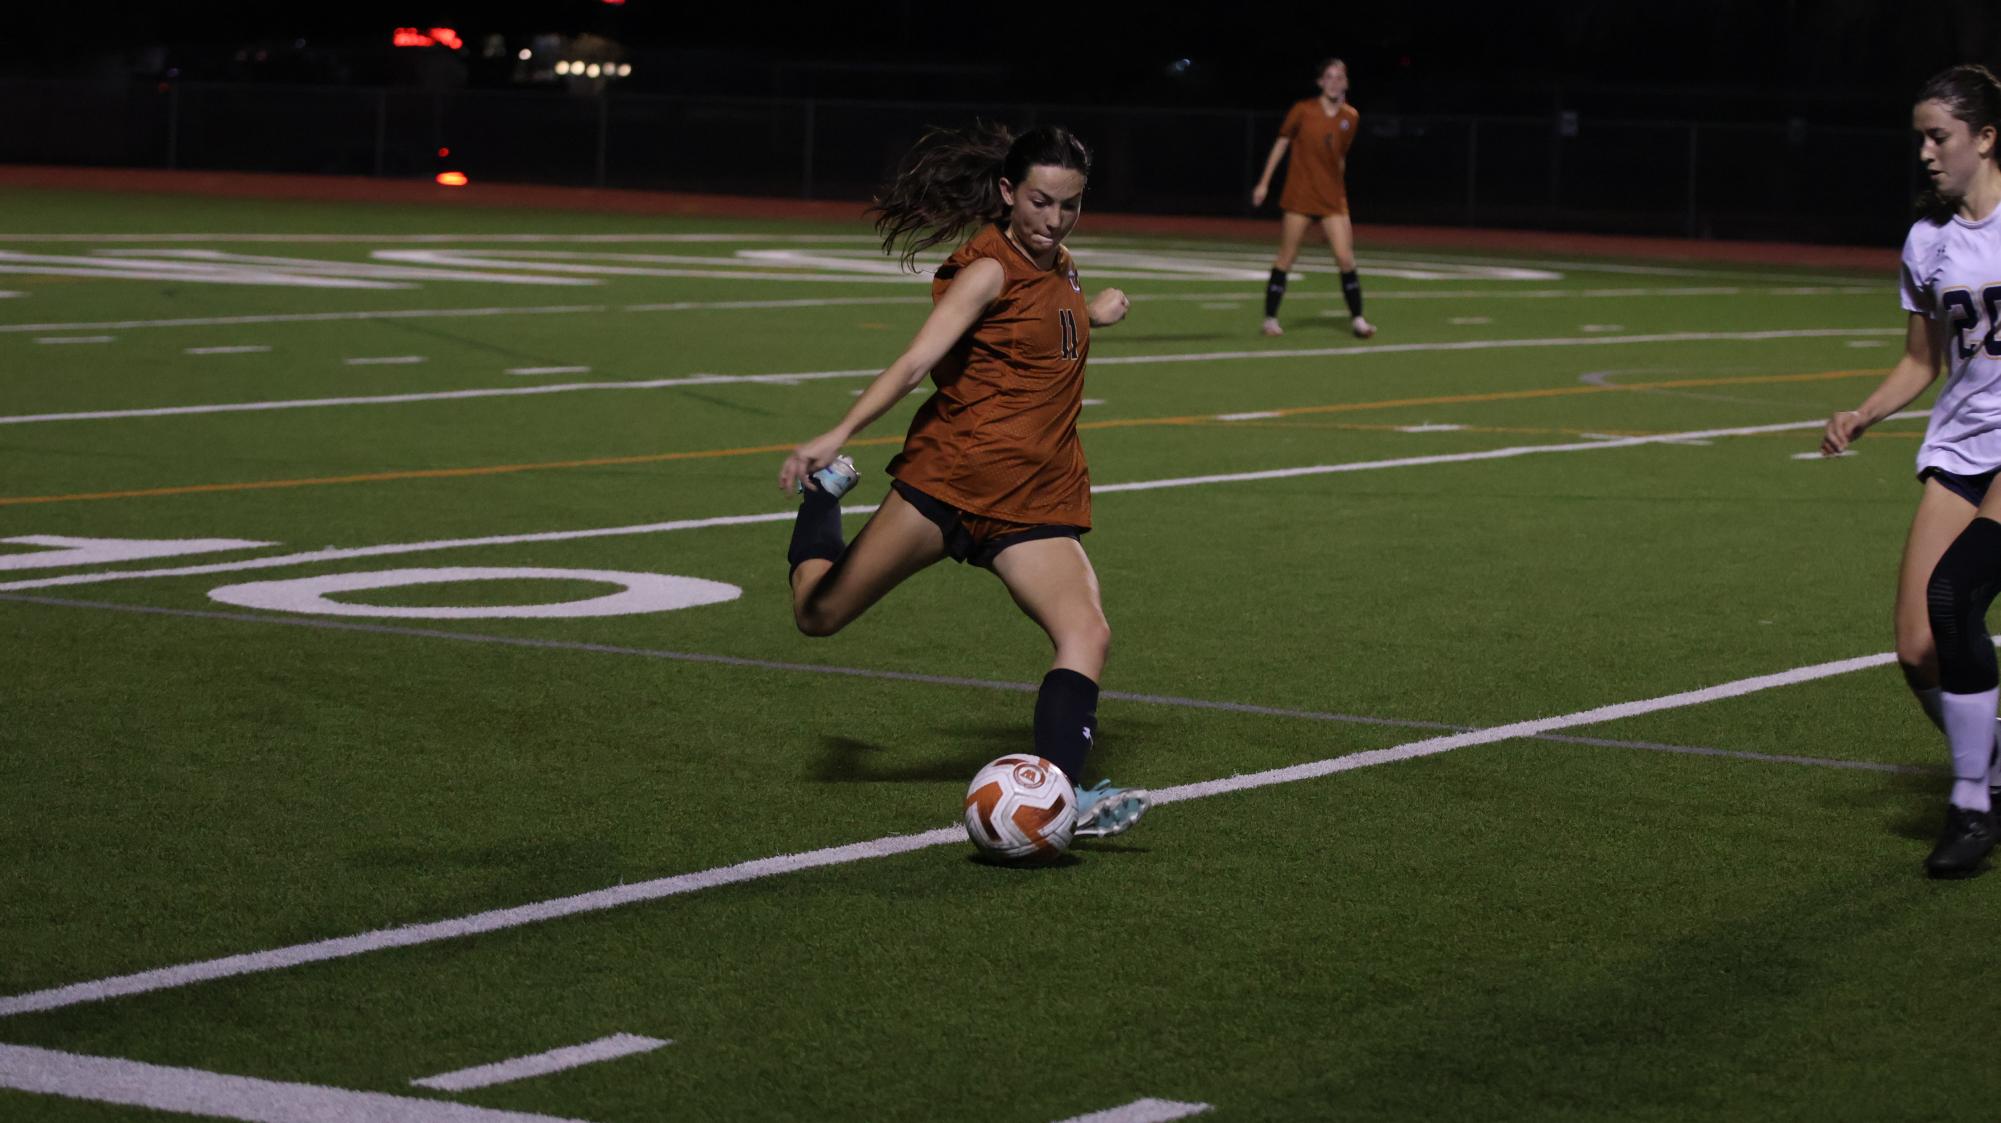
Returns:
(978, 538)
(1972, 488)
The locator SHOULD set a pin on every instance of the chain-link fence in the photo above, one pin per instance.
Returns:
(1785, 181)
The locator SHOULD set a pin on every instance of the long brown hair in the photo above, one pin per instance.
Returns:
(950, 180)
(1971, 93)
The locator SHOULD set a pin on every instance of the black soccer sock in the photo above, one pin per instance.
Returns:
(1962, 585)
(817, 531)
(1274, 292)
(1066, 721)
(1351, 291)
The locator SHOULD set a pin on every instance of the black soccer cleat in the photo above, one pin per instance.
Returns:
(1963, 845)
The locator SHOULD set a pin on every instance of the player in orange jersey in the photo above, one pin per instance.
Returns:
(992, 471)
(1318, 132)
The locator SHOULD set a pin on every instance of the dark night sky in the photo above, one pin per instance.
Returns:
(1706, 59)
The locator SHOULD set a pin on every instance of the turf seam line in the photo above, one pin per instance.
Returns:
(1167, 700)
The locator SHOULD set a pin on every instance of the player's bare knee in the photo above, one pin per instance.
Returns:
(1089, 639)
(1915, 651)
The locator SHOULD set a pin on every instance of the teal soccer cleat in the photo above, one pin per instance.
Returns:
(1106, 810)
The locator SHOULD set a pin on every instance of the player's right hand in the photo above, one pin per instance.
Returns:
(1258, 195)
(1842, 429)
(807, 459)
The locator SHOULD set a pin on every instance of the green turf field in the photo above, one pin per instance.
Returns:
(280, 862)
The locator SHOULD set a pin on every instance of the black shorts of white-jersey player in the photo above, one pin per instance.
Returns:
(1951, 567)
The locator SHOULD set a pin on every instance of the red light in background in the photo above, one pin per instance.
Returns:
(616, 3)
(436, 37)
(452, 179)
(444, 152)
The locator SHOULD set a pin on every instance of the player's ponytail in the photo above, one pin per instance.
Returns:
(950, 181)
(1971, 93)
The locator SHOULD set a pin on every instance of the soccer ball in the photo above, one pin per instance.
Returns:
(1021, 809)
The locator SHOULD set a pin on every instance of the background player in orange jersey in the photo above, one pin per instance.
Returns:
(992, 471)
(1318, 132)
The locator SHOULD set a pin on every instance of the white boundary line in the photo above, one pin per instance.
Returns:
(1148, 1110)
(193, 1091)
(542, 1064)
(873, 301)
(319, 951)
(869, 372)
(392, 549)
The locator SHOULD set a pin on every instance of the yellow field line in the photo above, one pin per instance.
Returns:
(760, 450)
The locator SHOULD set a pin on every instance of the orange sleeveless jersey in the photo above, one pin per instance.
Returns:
(1314, 183)
(999, 437)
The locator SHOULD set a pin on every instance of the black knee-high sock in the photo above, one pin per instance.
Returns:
(816, 533)
(1963, 584)
(1066, 721)
(1274, 292)
(1351, 291)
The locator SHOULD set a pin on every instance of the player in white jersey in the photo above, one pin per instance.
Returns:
(1952, 556)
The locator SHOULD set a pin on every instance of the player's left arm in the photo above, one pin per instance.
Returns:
(1108, 307)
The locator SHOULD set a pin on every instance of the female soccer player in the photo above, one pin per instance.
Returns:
(1319, 131)
(992, 471)
(1952, 556)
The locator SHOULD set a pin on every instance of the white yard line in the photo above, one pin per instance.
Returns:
(245, 350)
(868, 301)
(1691, 436)
(1143, 1111)
(542, 1064)
(870, 372)
(193, 1091)
(392, 549)
(187, 974)
(50, 341)
(384, 360)
(434, 239)
(548, 370)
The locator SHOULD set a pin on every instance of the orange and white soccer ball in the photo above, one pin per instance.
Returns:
(1021, 808)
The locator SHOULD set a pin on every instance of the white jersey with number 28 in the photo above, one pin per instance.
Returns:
(1952, 274)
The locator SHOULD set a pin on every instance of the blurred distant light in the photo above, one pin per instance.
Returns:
(592, 71)
(624, 69)
(525, 54)
(563, 67)
(452, 179)
(616, 3)
(435, 37)
(444, 152)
